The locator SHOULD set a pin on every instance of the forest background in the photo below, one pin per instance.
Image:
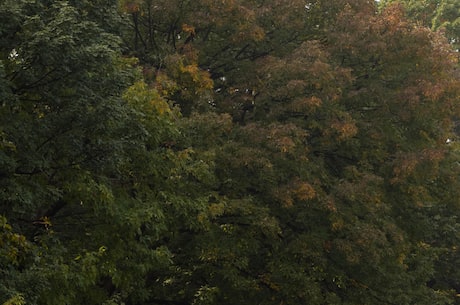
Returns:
(274, 152)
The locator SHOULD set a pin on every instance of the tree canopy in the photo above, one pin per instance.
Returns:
(229, 152)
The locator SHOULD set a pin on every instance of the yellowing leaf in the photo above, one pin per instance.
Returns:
(305, 191)
(188, 28)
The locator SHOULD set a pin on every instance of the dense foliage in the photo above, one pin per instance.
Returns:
(229, 152)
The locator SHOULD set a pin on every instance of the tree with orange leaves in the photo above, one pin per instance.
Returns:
(271, 152)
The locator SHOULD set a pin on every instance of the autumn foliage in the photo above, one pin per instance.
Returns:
(229, 152)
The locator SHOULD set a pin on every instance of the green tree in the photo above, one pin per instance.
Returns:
(61, 80)
(440, 15)
(88, 178)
